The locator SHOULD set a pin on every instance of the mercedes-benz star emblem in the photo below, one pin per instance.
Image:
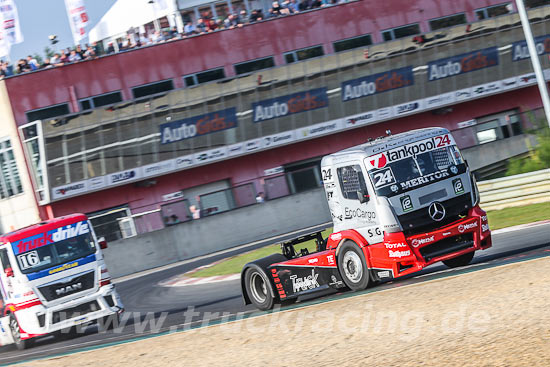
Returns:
(436, 211)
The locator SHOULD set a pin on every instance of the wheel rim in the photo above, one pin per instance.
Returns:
(258, 287)
(16, 333)
(353, 267)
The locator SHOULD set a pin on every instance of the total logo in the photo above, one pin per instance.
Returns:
(422, 241)
(399, 254)
(465, 227)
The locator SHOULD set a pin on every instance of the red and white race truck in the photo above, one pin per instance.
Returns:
(53, 278)
(399, 203)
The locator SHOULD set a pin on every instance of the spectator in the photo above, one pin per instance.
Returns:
(98, 49)
(63, 57)
(256, 15)
(195, 212)
(201, 27)
(232, 21)
(23, 66)
(143, 40)
(89, 53)
(74, 56)
(80, 52)
(189, 29)
(46, 64)
(219, 24)
(243, 17)
(110, 48)
(5, 69)
(260, 198)
(33, 64)
(292, 5)
(276, 9)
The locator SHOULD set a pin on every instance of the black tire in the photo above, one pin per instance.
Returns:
(353, 267)
(462, 260)
(16, 333)
(258, 289)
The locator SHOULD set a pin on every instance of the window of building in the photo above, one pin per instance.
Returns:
(101, 100)
(351, 180)
(250, 66)
(153, 88)
(535, 3)
(221, 9)
(204, 77)
(447, 22)
(400, 32)
(113, 223)
(10, 182)
(304, 176)
(48, 112)
(498, 126)
(351, 43)
(31, 134)
(493, 11)
(304, 54)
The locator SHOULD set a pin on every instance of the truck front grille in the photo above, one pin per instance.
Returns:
(63, 288)
(419, 220)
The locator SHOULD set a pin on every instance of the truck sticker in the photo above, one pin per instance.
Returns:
(406, 203)
(28, 260)
(383, 177)
(359, 213)
(458, 186)
(424, 179)
(327, 176)
(305, 283)
(377, 161)
(55, 235)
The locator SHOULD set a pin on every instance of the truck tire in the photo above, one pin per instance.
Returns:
(16, 334)
(258, 289)
(459, 261)
(353, 267)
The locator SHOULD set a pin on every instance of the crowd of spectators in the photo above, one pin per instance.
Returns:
(207, 23)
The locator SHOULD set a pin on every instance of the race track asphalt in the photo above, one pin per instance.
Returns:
(151, 309)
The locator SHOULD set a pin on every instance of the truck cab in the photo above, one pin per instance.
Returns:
(398, 203)
(53, 277)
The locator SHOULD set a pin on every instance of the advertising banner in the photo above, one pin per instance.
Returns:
(10, 21)
(198, 125)
(521, 52)
(78, 18)
(287, 105)
(377, 83)
(463, 63)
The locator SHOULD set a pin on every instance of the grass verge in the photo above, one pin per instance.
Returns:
(497, 219)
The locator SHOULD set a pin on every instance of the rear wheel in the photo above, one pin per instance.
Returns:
(16, 333)
(461, 260)
(353, 267)
(257, 287)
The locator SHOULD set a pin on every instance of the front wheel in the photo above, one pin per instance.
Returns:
(353, 267)
(461, 260)
(16, 334)
(257, 287)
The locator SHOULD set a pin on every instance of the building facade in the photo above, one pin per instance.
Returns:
(154, 136)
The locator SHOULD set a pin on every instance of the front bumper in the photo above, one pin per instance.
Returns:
(41, 320)
(399, 255)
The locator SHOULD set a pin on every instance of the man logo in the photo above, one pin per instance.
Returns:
(377, 161)
(436, 211)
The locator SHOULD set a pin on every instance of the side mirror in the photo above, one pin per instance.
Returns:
(362, 196)
(102, 243)
(9, 272)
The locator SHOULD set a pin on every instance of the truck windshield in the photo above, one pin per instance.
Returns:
(57, 253)
(416, 171)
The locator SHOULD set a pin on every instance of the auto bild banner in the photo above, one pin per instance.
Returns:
(464, 63)
(521, 52)
(377, 83)
(198, 125)
(11, 25)
(287, 105)
(78, 18)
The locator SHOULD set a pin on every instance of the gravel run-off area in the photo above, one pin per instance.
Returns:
(493, 317)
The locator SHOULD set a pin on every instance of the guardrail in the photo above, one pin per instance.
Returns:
(523, 189)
